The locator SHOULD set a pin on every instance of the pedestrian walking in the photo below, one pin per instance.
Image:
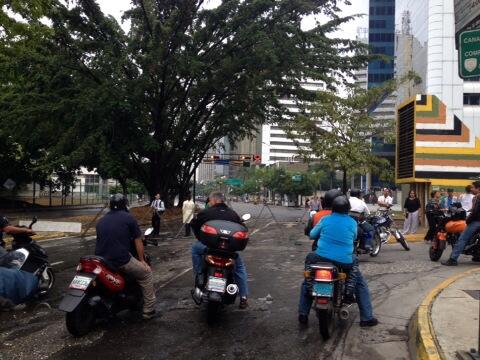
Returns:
(412, 210)
(188, 210)
(431, 209)
(158, 208)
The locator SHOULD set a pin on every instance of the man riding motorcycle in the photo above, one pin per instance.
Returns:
(8, 229)
(473, 226)
(336, 234)
(218, 210)
(120, 242)
(359, 210)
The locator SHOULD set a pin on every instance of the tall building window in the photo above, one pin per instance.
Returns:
(471, 99)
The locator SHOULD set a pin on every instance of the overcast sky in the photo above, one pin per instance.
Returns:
(116, 8)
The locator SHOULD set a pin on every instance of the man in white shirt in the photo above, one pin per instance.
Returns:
(357, 204)
(360, 209)
(158, 208)
(385, 200)
(467, 198)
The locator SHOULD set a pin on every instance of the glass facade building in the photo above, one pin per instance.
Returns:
(381, 37)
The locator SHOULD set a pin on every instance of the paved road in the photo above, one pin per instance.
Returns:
(267, 329)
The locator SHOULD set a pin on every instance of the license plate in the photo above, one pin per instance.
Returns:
(80, 282)
(323, 289)
(216, 284)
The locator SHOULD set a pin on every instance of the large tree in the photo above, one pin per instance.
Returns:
(148, 104)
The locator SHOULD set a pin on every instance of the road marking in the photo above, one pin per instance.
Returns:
(57, 263)
(263, 227)
(174, 278)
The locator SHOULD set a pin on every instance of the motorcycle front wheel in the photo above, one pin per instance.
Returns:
(401, 239)
(326, 322)
(435, 253)
(51, 277)
(81, 320)
(377, 245)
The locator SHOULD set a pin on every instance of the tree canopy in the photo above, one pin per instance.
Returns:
(148, 104)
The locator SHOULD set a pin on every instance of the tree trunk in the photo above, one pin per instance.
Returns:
(123, 184)
(344, 181)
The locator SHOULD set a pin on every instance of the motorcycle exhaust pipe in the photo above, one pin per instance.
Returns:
(197, 295)
(232, 289)
(344, 313)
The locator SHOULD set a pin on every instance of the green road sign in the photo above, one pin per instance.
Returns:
(233, 182)
(297, 178)
(469, 54)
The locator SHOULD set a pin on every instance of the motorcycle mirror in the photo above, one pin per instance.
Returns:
(176, 200)
(148, 232)
(246, 217)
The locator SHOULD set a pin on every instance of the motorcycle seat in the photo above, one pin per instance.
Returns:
(100, 259)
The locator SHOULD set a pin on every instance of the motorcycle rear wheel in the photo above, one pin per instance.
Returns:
(212, 312)
(51, 278)
(326, 322)
(377, 245)
(435, 254)
(81, 320)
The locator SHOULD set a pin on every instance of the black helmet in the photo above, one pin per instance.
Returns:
(329, 196)
(118, 202)
(3, 221)
(355, 192)
(341, 205)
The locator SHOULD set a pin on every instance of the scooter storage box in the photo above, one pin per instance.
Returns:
(455, 227)
(223, 235)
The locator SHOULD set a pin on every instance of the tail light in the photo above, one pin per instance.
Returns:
(322, 301)
(323, 275)
(207, 229)
(241, 235)
(442, 236)
(218, 274)
(219, 261)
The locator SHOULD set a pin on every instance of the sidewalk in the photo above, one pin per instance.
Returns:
(447, 321)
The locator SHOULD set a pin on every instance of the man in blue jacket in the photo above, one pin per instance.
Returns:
(337, 233)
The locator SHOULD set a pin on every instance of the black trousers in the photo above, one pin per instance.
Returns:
(432, 225)
(188, 229)
(156, 224)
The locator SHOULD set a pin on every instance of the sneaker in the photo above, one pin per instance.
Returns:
(369, 323)
(148, 315)
(450, 262)
(243, 303)
(303, 319)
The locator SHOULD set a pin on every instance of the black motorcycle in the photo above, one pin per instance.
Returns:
(360, 242)
(216, 285)
(385, 226)
(28, 256)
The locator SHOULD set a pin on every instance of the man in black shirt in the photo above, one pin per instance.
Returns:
(218, 210)
(119, 241)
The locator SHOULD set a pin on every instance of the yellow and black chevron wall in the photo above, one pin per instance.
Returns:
(433, 148)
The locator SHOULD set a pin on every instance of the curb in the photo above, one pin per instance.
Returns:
(423, 344)
(415, 237)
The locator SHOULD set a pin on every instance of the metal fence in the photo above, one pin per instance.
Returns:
(81, 194)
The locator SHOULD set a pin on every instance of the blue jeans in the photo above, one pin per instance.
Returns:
(362, 294)
(464, 238)
(198, 250)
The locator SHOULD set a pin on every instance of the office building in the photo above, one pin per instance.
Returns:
(438, 119)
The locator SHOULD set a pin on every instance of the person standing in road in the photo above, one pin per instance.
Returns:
(412, 209)
(314, 204)
(466, 199)
(473, 226)
(432, 207)
(158, 208)
(385, 200)
(188, 210)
